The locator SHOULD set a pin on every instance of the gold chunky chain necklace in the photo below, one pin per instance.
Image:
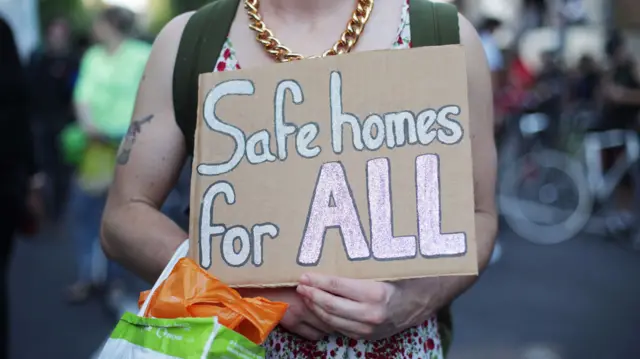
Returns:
(281, 53)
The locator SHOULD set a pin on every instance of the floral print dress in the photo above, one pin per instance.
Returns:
(421, 342)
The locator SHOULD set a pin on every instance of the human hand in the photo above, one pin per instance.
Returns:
(298, 319)
(359, 309)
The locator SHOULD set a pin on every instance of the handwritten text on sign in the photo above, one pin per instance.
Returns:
(331, 202)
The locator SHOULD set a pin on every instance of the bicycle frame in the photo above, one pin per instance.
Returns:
(602, 184)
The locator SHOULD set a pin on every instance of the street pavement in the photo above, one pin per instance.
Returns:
(576, 300)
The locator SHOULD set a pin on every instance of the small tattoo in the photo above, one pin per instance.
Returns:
(130, 139)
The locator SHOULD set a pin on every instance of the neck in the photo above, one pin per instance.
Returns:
(286, 9)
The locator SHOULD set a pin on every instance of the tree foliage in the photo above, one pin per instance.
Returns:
(161, 11)
(180, 6)
(76, 11)
(159, 14)
(73, 10)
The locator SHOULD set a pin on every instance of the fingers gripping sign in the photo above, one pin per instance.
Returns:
(360, 309)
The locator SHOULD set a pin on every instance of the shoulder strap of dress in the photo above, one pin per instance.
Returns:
(433, 23)
(200, 45)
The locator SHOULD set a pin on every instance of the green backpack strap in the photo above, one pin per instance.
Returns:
(433, 23)
(200, 45)
(436, 24)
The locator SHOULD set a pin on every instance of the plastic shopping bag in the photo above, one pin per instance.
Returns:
(185, 338)
(194, 334)
(191, 292)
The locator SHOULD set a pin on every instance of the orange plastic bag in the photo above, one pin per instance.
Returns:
(189, 291)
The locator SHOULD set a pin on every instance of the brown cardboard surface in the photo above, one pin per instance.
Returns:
(261, 215)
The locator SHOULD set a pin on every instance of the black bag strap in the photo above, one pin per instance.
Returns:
(433, 23)
(200, 45)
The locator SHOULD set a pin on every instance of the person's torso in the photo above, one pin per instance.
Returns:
(585, 90)
(622, 115)
(114, 82)
(422, 341)
(51, 82)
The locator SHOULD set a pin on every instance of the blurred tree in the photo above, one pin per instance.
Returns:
(72, 10)
(180, 6)
(160, 12)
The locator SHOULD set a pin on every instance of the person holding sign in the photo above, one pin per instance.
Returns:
(329, 315)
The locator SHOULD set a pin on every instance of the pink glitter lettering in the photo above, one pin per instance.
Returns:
(433, 243)
(383, 243)
(332, 206)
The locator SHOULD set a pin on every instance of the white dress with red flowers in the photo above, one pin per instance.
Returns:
(421, 342)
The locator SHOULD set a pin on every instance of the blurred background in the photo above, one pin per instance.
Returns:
(563, 283)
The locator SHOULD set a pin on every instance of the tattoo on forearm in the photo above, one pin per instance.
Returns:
(130, 139)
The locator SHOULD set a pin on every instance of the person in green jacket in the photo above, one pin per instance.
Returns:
(104, 99)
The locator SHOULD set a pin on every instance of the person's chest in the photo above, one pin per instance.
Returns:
(114, 73)
(312, 39)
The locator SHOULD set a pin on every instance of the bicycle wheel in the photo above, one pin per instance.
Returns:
(545, 198)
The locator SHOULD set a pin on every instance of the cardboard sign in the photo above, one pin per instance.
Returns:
(356, 165)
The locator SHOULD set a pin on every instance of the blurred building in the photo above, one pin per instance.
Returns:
(625, 16)
(576, 27)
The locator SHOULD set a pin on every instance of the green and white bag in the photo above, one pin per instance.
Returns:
(137, 337)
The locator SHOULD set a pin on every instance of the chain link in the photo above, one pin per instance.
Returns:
(281, 53)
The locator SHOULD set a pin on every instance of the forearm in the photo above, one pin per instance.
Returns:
(140, 237)
(437, 292)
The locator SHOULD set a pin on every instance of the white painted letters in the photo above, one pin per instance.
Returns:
(208, 228)
(339, 118)
(282, 128)
(233, 87)
(332, 205)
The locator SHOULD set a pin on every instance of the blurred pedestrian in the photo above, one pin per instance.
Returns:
(18, 180)
(621, 110)
(104, 99)
(621, 86)
(52, 72)
(550, 94)
(587, 82)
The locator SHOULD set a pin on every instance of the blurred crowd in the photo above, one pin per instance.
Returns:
(570, 102)
(64, 114)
